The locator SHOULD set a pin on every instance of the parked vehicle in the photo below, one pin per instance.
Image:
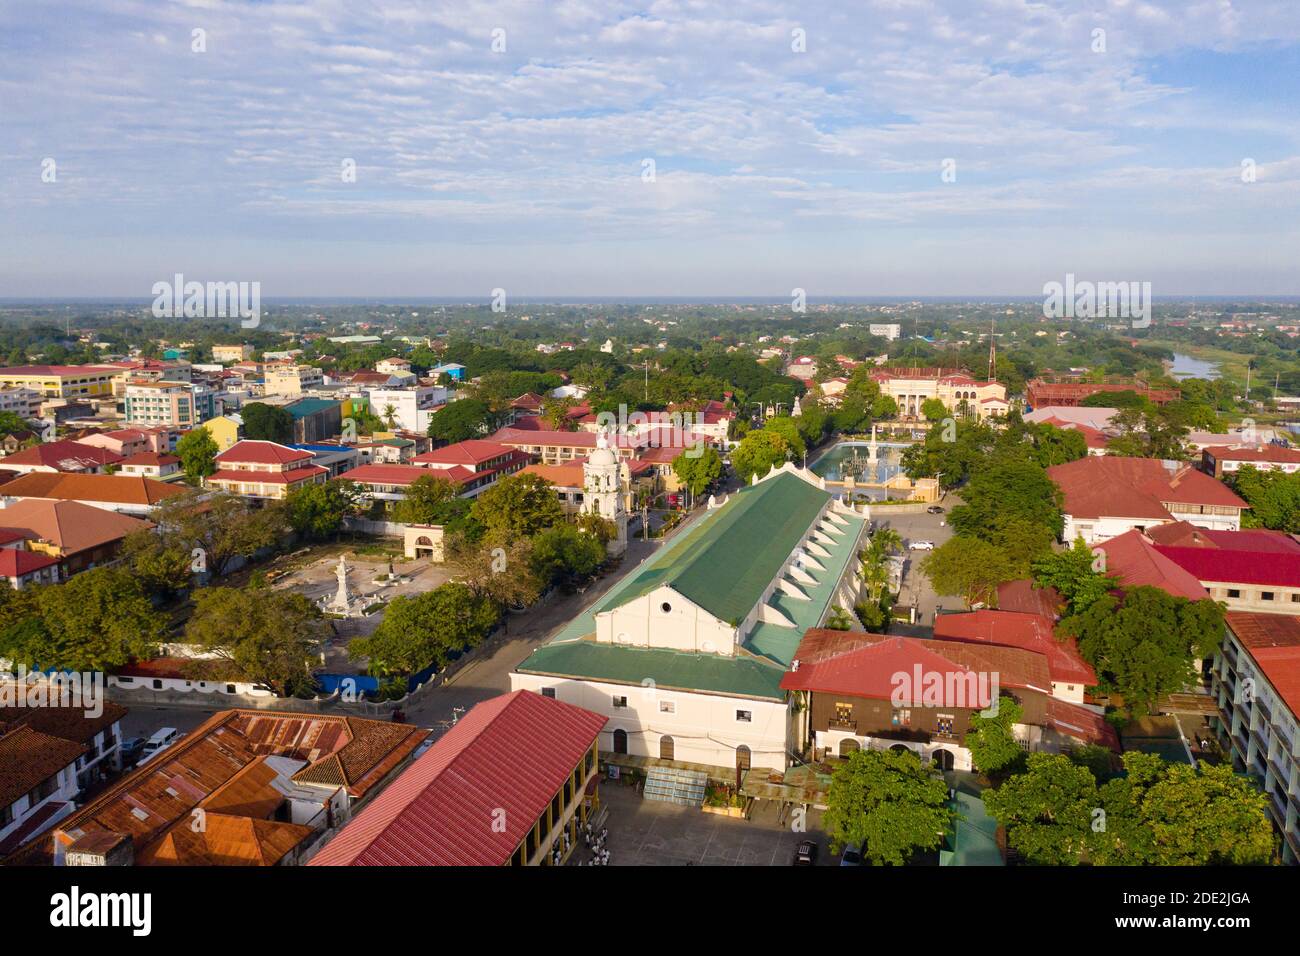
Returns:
(130, 750)
(934, 510)
(921, 546)
(805, 854)
(160, 741)
(852, 856)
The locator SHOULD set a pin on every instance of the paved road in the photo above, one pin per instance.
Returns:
(916, 587)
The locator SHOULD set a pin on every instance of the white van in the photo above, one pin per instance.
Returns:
(159, 742)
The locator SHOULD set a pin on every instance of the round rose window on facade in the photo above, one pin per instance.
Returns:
(666, 607)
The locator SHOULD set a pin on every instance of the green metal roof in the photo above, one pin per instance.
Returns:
(309, 406)
(669, 670)
(726, 564)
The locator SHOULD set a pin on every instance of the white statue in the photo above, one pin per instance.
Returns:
(341, 596)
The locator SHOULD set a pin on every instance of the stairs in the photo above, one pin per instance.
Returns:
(670, 785)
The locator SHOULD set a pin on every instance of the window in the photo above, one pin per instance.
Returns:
(1266, 595)
(1234, 593)
(667, 707)
(620, 701)
(744, 716)
(843, 713)
(548, 692)
(901, 717)
(943, 724)
(1295, 598)
(666, 607)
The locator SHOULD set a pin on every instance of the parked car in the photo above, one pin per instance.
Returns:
(131, 750)
(805, 854)
(852, 856)
(934, 510)
(921, 546)
(160, 741)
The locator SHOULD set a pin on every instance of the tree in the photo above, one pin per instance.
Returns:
(758, 452)
(267, 423)
(933, 410)
(517, 505)
(221, 527)
(197, 451)
(96, 620)
(317, 511)
(160, 564)
(1142, 645)
(788, 428)
(1056, 446)
(461, 420)
(1047, 810)
(563, 554)
(1274, 498)
(889, 803)
(1011, 503)
(992, 740)
(1172, 814)
(425, 629)
(555, 414)
(11, 422)
(432, 499)
(501, 574)
(1074, 574)
(969, 568)
(697, 472)
(270, 638)
(839, 619)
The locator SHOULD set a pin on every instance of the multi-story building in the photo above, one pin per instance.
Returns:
(959, 392)
(1106, 496)
(886, 330)
(62, 456)
(407, 408)
(1255, 680)
(231, 353)
(264, 469)
(292, 379)
(176, 404)
(1040, 392)
(61, 381)
(23, 402)
(1218, 460)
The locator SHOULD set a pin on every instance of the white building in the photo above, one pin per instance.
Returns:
(602, 480)
(23, 402)
(886, 330)
(410, 408)
(685, 655)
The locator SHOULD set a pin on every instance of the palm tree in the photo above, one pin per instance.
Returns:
(390, 415)
(875, 575)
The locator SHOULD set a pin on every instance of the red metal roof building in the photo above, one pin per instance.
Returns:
(1030, 632)
(264, 469)
(1134, 561)
(496, 789)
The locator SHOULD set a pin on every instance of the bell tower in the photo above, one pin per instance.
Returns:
(602, 491)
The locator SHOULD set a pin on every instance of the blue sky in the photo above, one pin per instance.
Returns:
(774, 169)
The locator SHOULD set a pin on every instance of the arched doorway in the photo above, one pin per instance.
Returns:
(424, 545)
(849, 746)
(899, 749)
(742, 758)
(620, 741)
(943, 759)
(666, 748)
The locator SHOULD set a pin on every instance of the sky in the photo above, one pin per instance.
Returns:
(601, 148)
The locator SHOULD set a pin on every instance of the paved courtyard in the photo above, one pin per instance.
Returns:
(916, 586)
(648, 833)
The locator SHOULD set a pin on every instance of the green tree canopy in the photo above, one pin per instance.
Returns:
(267, 423)
(317, 511)
(197, 450)
(1076, 575)
(758, 452)
(889, 803)
(968, 568)
(462, 420)
(992, 740)
(267, 637)
(697, 472)
(517, 505)
(423, 629)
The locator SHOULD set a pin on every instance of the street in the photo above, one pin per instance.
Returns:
(916, 589)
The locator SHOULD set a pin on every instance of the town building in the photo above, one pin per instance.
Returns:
(290, 379)
(226, 354)
(407, 408)
(959, 392)
(1133, 560)
(150, 464)
(685, 654)
(877, 692)
(1069, 673)
(1218, 460)
(315, 419)
(1041, 392)
(269, 786)
(885, 330)
(61, 381)
(134, 495)
(225, 430)
(166, 403)
(1255, 681)
(22, 567)
(1255, 570)
(121, 441)
(78, 536)
(264, 469)
(62, 456)
(510, 784)
(23, 402)
(1106, 496)
(38, 781)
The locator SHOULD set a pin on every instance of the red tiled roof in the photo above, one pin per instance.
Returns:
(474, 451)
(1230, 566)
(1122, 487)
(1136, 562)
(64, 455)
(258, 452)
(1075, 720)
(1031, 632)
(1183, 534)
(19, 370)
(151, 458)
(1022, 595)
(1092, 437)
(1269, 452)
(865, 665)
(70, 525)
(380, 474)
(110, 489)
(16, 564)
(503, 761)
(28, 757)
